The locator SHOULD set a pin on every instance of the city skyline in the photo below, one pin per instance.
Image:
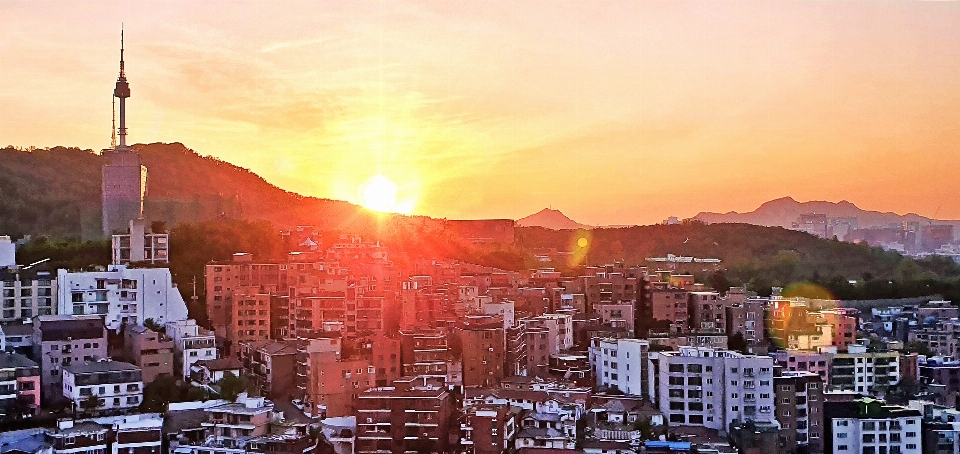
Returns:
(619, 115)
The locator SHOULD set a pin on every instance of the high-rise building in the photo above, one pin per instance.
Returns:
(124, 176)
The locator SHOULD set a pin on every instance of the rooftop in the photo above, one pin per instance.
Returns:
(101, 366)
(15, 361)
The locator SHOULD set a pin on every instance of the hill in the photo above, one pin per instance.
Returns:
(56, 192)
(784, 211)
(550, 219)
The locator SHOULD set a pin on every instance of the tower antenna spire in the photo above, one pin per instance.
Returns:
(122, 91)
(113, 129)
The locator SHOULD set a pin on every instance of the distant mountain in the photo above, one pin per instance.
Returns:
(551, 219)
(784, 211)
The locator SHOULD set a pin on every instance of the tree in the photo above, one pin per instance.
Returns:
(919, 348)
(90, 404)
(645, 427)
(231, 386)
(737, 342)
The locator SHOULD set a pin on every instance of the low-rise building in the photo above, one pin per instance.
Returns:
(799, 410)
(864, 372)
(867, 425)
(620, 364)
(149, 350)
(19, 386)
(191, 343)
(62, 340)
(271, 367)
(140, 245)
(114, 384)
(489, 429)
(26, 293)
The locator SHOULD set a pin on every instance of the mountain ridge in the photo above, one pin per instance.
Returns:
(551, 219)
(783, 211)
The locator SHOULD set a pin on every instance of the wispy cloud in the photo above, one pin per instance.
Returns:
(292, 44)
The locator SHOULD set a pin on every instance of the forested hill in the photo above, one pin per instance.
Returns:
(56, 192)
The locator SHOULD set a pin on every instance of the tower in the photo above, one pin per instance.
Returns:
(124, 176)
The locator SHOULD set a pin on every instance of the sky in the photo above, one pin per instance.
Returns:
(613, 112)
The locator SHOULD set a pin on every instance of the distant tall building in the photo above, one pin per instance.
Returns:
(124, 176)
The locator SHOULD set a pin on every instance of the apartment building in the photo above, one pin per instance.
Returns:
(707, 312)
(149, 350)
(19, 386)
(331, 383)
(617, 315)
(805, 361)
(620, 364)
(26, 293)
(942, 337)
(87, 437)
(251, 318)
(869, 426)
(711, 388)
(670, 306)
(560, 327)
(844, 323)
(191, 343)
(403, 420)
(116, 385)
(140, 245)
(864, 372)
(121, 295)
(489, 429)
(481, 342)
(271, 367)
(62, 340)
(423, 353)
(799, 410)
(746, 318)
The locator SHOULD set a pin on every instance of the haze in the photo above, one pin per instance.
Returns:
(614, 113)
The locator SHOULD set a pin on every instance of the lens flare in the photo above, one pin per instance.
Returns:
(580, 244)
(379, 194)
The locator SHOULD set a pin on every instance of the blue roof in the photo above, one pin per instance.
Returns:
(671, 445)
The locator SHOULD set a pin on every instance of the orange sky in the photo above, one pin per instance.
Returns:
(615, 113)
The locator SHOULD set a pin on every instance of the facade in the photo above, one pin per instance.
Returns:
(26, 294)
(423, 353)
(799, 410)
(121, 295)
(329, 382)
(191, 343)
(942, 337)
(251, 321)
(746, 318)
(868, 426)
(670, 305)
(711, 388)
(62, 340)
(391, 420)
(617, 315)
(804, 361)
(488, 429)
(707, 312)
(270, 366)
(116, 385)
(864, 372)
(86, 437)
(124, 189)
(140, 245)
(149, 350)
(620, 364)
(481, 342)
(19, 386)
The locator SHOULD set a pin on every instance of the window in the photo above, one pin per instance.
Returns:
(842, 448)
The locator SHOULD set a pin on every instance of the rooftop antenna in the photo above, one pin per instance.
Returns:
(122, 91)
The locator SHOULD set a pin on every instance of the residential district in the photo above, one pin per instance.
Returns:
(340, 349)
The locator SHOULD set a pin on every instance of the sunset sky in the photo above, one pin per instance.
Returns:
(615, 113)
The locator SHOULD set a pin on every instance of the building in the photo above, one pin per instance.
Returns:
(707, 312)
(121, 295)
(26, 293)
(140, 245)
(489, 429)
(617, 315)
(17, 338)
(403, 420)
(191, 343)
(804, 361)
(206, 372)
(934, 371)
(271, 367)
(149, 350)
(799, 410)
(942, 337)
(711, 388)
(116, 385)
(423, 353)
(620, 364)
(124, 177)
(71, 436)
(251, 321)
(331, 383)
(868, 426)
(480, 340)
(62, 340)
(864, 372)
(19, 386)
(746, 318)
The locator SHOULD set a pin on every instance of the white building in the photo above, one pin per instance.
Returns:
(8, 252)
(140, 246)
(620, 364)
(561, 324)
(867, 425)
(864, 372)
(117, 385)
(191, 343)
(504, 309)
(701, 386)
(122, 295)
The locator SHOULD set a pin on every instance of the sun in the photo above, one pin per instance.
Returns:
(379, 194)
